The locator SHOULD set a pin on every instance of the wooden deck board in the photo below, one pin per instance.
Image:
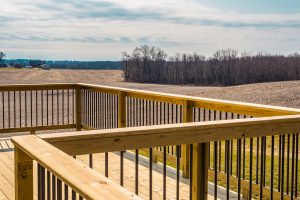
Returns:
(7, 174)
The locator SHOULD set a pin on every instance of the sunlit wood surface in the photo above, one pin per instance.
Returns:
(7, 174)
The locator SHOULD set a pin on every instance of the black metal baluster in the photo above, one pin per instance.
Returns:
(68, 105)
(216, 170)
(104, 111)
(272, 168)
(15, 117)
(220, 155)
(261, 170)
(48, 185)
(59, 189)
(20, 108)
(239, 167)
(73, 195)
(47, 110)
(227, 166)
(73, 105)
(66, 192)
(39, 177)
(53, 187)
(279, 164)
(296, 167)
(178, 148)
(8, 105)
(265, 160)
(136, 171)
(288, 164)
(91, 160)
(25, 105)
(52, 107)
(3, 111)
(106, 164)
(57, 106)
(150, 173)
(191, 171)
(250, 170)
(282, 168)
(63, 106)
(121, 168)
(293, 165)
(244, 158)
(164, 173)
(257, 159)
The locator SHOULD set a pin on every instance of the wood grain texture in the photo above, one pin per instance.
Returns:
(97, 141)
(37, 128)
(45, 86)
(85, 181)
(23, 175)
(187, 116)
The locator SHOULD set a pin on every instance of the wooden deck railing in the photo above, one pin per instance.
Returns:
(34, 107)
(86, 106)
(103, 141)
(79, 181)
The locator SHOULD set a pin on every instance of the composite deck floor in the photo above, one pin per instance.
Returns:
(7, 174)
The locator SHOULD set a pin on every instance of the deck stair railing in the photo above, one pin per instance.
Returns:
(260, 165)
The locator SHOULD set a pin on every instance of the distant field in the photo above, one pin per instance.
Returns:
(12, 75)
(278, 93)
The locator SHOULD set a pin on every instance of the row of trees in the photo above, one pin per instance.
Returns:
(225, 67)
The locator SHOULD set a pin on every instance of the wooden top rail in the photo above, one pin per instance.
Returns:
(256, 110)
(28, 87)
(85, 142)
(85, 181)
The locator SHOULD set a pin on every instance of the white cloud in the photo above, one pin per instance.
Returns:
(62, 29)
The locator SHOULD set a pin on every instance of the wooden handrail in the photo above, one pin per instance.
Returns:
(85, 181)
(37, 128)
(97, 141)
(44, 86)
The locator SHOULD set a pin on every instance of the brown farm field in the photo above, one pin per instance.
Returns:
(277, 93)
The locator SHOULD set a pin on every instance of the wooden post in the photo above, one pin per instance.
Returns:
(121, 109)
(23, 175)
(32, 132)
(185, 149)
(78, 108)
(200, 171)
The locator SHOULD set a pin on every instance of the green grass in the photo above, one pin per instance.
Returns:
(276, 178)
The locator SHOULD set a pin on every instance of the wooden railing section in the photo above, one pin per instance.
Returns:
(100, 141)
(143, 108)
(90, 107)
(83, 181)
(38, 107)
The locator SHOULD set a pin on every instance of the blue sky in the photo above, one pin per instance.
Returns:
(101, 30)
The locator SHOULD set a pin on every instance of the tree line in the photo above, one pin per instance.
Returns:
(2, 55)
(226, 67)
